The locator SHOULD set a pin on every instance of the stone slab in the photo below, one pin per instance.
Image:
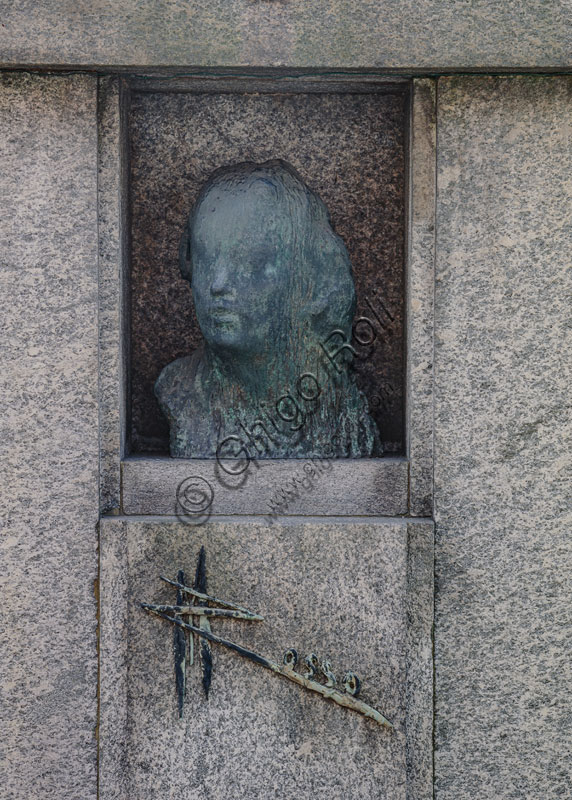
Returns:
(420, 280)
(409, 35)
(348, 143)
(268, 487)
(49, 442)
(502, 438)
(112, 161)
(359, 592)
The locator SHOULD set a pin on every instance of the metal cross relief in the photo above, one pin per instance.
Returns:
(194, 604)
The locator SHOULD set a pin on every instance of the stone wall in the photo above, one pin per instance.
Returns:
(500, 409)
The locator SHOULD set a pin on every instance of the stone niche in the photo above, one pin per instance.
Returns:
(347, 140)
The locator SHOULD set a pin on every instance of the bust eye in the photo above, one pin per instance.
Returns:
(263, 260)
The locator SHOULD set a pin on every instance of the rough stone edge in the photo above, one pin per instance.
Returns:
(419, 689)
(419, 296)
(112, 165)
(252, 81)
(113, 664)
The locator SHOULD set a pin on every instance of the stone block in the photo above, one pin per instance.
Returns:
(358, 593)
(112, 234)
(419, 295)
(267, 487)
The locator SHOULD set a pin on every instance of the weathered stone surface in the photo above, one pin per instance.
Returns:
(348, 147)
(113, 762)
(395, 34)
(502, 438)
(49, 443)
(419, 296)
(338, 589)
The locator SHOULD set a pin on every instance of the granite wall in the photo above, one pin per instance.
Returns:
(356, 592)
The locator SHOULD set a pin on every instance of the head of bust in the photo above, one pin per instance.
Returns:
(265, 266)
(271, 281)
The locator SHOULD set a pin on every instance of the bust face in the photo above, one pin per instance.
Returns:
(268, 275)
(240, 253)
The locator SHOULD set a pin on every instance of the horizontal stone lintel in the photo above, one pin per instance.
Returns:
(197, 488)
(413, 36)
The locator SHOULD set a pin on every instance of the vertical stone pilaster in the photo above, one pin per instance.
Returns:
(502, 437)
(49, 442)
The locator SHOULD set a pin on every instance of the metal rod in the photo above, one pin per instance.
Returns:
(200, 585)
(180, 654)
(209, 598)
(345, 700)
(203, 611)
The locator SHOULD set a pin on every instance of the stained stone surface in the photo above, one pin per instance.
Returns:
(502, 439)
(394, 34)
(49, 442)
(419, 294)
(338, 589)
(347, 147)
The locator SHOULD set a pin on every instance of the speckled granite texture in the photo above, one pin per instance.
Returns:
(348, 147)
(396, 34)
(340, 589)
(49, 442)
(502, 439)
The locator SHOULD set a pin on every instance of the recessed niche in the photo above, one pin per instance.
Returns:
(347, 144)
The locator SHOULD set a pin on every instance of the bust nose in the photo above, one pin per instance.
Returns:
(220, 280)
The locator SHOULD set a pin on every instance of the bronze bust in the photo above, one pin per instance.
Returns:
(271, 281)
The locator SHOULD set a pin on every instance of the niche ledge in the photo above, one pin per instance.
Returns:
(289, 487)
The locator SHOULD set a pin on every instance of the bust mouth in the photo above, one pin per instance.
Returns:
(223, 310)
(224, 314)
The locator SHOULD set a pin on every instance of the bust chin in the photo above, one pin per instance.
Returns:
(270, 281)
